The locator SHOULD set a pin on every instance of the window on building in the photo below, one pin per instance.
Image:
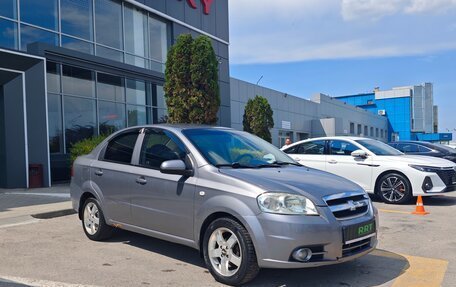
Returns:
(381, 133)
(8, 8)
(366, 131)
(376, 132)
(135, 31)
(352, 128)
(111, 117)
(137, 115)
(108, 22)
(372, 131)
(110, 87)
(158, 43)
(53, 77)
(8, 37)
(80, 120)
(76, 18)
(31, 35)
(359, 129)
(110, 54)
(78, 81)
(136, 92)
(77, 45)
(120, 149)
(55, 124)
(40, 13)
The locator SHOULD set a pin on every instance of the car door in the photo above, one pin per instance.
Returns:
(342, 163)
(162, 202)
(310, 153)
(111, 174)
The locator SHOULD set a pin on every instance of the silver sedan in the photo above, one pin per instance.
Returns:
(239, 200)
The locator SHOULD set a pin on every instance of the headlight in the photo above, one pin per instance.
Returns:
(424, 168)
(286, 203)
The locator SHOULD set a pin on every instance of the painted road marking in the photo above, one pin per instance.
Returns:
(393, 211)
(422, 272)
(38, 283)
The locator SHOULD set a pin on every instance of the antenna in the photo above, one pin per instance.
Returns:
(259, 80)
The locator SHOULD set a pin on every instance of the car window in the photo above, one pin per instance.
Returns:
(424, 149)
(342, 148)
(312, 147)
(159, 146)
(406, 148)
(378, 147)
(120, 149)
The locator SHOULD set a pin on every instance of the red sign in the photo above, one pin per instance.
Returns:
(206, 5)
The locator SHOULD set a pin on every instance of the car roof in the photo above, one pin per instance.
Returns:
(414, 142)
(184, 126)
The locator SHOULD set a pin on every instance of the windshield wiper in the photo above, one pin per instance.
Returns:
(286, 163)
(234, 165)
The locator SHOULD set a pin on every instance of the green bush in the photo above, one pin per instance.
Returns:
(84, 147)
(258, 118)
(191, 81)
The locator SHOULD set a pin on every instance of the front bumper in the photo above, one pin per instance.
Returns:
(281, 235)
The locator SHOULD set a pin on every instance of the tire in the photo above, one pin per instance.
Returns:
(93, 222)
(394, 188)
(236, 248)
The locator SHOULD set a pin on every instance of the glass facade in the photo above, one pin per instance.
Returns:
(112, 29)
(83, 103)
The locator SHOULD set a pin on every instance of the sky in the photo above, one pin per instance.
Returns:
(342, 47)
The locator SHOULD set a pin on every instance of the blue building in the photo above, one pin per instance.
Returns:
(410, 112)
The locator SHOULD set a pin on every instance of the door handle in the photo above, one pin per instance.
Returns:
(99, 172)
(141, 180)
(332, 161)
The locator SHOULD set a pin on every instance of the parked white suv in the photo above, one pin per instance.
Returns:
(377, 167)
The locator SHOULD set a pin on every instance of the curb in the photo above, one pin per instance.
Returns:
(54, 214)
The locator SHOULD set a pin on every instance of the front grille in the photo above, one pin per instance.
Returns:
(355, 247)
(448, 176)
(348, 205)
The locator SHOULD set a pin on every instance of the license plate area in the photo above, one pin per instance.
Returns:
(359, 231)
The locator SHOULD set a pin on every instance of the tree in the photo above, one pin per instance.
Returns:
(258, 118)
(191, 81)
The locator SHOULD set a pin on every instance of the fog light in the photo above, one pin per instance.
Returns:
(427, 184)
(302, 254)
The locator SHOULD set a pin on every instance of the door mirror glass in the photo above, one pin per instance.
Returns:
(174, 167)
(359, 154)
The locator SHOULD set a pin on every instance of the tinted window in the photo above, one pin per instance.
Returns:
(110, 87)
(77, 18)
(120, 149)
(135, 31)
(160, 146)
(108, 18)
(111, 117)
(79, 119)
(8, 34)
(31, 35)
(40, 13)
(342, 148)
(314, 147)
(77, 81)
(424, 149)
(78, 45)
(378, 148)
(406, 148)
(8, 8)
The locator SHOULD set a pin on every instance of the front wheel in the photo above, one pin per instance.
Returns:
(394, 188)
(93, 221)
(229, 252)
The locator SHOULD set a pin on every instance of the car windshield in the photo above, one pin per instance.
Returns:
(444, 148)
(230, 148)
(379, 148)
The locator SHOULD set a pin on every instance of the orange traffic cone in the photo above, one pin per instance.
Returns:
(420, 207)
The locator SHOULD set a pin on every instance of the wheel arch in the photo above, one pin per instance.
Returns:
(86, 195)
(377, 180)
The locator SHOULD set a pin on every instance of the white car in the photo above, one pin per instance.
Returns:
(377, 167)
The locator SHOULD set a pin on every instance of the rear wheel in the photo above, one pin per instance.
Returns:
(93, 221)
(394, 188)
(229, 253)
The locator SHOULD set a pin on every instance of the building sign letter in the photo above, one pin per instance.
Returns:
(206, 5)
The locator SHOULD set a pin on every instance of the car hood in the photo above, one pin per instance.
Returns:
(312, 183)
(419, 160)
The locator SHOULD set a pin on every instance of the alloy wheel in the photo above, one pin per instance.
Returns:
(393, 189)
(91, 218)
(224, 252)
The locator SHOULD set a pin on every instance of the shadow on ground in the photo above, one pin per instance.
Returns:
(376, 268)
(436, 200)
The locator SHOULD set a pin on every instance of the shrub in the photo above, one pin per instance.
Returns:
(85, 147)
(191, 81)
(258, 118)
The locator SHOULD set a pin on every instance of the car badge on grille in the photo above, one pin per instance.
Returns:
(354, 205)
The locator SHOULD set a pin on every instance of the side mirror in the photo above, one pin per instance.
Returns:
(359, 154)
(175, 167)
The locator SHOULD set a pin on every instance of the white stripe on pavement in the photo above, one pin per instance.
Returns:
(39, 283)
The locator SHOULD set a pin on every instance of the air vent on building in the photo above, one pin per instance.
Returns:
(381, 112)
